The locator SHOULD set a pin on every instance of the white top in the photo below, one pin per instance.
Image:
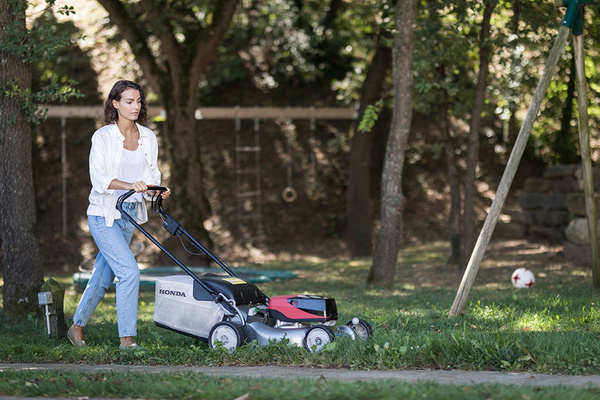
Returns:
(131, 170)
(105, 160)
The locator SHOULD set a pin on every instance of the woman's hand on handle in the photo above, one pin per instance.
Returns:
(139, 186)
(166, 193)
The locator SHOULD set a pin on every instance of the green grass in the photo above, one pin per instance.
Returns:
(552, 328)
(193, 386)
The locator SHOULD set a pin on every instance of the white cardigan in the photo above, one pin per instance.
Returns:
(105, 157)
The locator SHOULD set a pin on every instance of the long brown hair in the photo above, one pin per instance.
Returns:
(110, 112)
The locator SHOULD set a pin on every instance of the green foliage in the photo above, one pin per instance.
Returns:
(53, 90)
(284, 42)
(446, 64)
(444, 61)
(370, 116)
(66, 10)
(368, 25)
(30, 46)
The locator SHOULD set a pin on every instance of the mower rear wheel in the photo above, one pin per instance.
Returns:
(226, 334)
(361, 327)
(317, 337)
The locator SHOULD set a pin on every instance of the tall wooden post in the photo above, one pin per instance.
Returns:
(509, 174)
(586, 159)
(573, 20)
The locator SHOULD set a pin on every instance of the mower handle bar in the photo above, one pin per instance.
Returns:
(175, 228)
(129, 193)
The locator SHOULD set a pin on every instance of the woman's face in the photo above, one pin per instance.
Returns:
(129, 105)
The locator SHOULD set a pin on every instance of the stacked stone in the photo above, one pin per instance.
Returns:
(544, 203)
(553, 208)
(576, 247)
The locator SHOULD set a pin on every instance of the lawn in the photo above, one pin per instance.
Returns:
(192, 386)
(553, 327)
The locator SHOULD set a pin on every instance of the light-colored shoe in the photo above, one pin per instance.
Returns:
(73, 339)
(133, 346)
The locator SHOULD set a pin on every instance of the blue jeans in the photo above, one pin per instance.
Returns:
(114, 259)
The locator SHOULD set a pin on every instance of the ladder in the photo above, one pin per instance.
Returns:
(248, 191)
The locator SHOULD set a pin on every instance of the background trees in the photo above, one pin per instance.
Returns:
(338, 53)
(389, 237)
(174, 44)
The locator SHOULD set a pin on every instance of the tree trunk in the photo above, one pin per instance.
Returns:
(452, 181)
(469, 223)
(389, 238)
(513, 128)
(22, 271)
(360, 223)
(564, 144)
(187, 179)
(175, 76)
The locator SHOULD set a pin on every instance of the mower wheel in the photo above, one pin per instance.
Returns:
(317, 337)
(345, 330)
(361, 327)
(226, 334)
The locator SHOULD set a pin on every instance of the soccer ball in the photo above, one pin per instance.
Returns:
(522, 278)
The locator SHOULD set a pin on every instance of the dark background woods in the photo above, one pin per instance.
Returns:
(308, 53)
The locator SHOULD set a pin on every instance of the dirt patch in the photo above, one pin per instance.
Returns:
(502, 257)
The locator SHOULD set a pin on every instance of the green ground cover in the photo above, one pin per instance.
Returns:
(552, 328)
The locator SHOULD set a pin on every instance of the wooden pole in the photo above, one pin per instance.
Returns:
(586, 159)
(332, 113)
(509, 174)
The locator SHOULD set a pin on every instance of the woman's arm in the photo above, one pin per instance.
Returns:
(139, 186)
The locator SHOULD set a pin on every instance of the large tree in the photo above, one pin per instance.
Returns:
(174, 43)
(470, 191)
(443, 90)
(389, 238)
(22, 271)
(360, 221)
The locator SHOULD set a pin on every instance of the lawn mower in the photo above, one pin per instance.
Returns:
(226, 311)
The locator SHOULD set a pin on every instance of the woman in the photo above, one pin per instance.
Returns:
(123, 157)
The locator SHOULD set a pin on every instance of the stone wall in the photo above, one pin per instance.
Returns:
(544, 202)
(552, 207)
(576, 246)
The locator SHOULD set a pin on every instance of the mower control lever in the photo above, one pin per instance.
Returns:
(129, 193)
(169, 223)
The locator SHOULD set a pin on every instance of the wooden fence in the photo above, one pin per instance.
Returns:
(331, 113)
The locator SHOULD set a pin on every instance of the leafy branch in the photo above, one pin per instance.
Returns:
(53, 91)
(42, 42)
(370, 116)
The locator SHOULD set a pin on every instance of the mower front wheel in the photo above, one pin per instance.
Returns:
(361, 327)
(317, 337)
(226, 334)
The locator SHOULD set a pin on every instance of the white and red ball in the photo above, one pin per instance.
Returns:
(522, 278)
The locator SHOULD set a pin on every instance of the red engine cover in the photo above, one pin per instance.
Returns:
(302, 308)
